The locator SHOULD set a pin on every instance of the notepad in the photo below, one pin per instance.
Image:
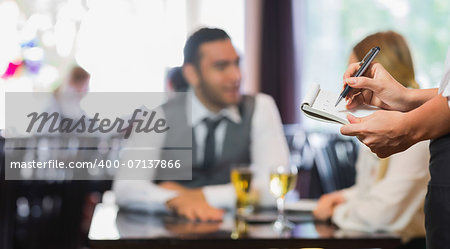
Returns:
(319, 104)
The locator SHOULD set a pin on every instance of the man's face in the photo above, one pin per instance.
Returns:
(219, 74)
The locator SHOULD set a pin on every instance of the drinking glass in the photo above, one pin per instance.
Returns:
(283, 178)
(241, 178)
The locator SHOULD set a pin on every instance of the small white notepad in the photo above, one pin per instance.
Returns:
(319, 104)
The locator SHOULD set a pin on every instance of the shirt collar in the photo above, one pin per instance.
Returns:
(200, 112)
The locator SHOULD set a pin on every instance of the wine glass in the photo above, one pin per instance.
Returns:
(283, 178)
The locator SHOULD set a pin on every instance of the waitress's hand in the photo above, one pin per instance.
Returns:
(384, 132)
(378, 88)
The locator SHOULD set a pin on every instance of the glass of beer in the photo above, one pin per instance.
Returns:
(241, 178)
(283, 178)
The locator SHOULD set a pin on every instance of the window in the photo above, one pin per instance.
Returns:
(129, 45)
(330, 28)
(125, 45)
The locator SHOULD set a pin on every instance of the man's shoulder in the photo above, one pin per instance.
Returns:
(263, 101)
(175, 102)
(264, 106)
(259, 98)
(264, 98)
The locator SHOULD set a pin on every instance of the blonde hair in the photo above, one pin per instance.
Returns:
(394, 55)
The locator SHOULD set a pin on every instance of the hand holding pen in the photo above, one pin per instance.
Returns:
(370, 56)
(377, 88)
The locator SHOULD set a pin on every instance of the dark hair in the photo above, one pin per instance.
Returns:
(78, 75)
(191, 53)
(176, 79)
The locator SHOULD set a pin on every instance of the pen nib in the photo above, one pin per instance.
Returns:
(339, 100)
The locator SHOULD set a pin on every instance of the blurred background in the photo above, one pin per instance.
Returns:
(129, 46)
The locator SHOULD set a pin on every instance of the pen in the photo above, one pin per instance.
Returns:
(364, 65)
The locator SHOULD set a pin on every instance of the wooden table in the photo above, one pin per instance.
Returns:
(111, 228)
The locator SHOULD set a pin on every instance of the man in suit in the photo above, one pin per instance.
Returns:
(228, 129)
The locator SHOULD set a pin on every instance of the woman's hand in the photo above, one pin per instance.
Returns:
(378, 88)
(326, 204)
(384, 132)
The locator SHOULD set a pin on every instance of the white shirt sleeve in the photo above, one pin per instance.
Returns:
(268, 148)
(349, 193)
(393, 203)
(133, 187)
(366, 166)
(141, 195)
(220, 196)
(444, 87)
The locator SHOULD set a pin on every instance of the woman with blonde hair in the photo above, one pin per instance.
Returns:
(389, 193)
(394, 55)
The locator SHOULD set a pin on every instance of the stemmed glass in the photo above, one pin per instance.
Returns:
(283, 178)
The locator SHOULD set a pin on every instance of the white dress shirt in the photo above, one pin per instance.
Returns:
(268, 148)
(444, 87)
(394, 203)
(199, 113)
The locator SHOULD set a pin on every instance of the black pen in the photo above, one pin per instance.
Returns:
(364, 65)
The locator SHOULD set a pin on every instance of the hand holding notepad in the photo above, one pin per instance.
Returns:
(319, 104)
